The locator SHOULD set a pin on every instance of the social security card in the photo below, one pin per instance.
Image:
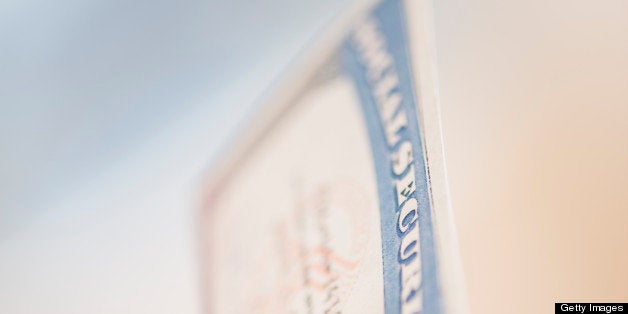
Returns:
(334, 200)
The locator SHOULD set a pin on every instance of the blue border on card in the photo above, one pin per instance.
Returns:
(389, 18)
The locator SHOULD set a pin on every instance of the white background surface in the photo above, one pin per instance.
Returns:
(110, 110)
(535, 101)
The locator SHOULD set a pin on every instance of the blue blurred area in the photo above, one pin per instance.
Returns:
(110, 115)
(84, 84)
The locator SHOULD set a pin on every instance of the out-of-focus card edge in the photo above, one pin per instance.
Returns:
(422, 45)
(287, 89)
(272, 108)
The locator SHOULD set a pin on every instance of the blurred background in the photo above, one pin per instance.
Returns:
(111, 111)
